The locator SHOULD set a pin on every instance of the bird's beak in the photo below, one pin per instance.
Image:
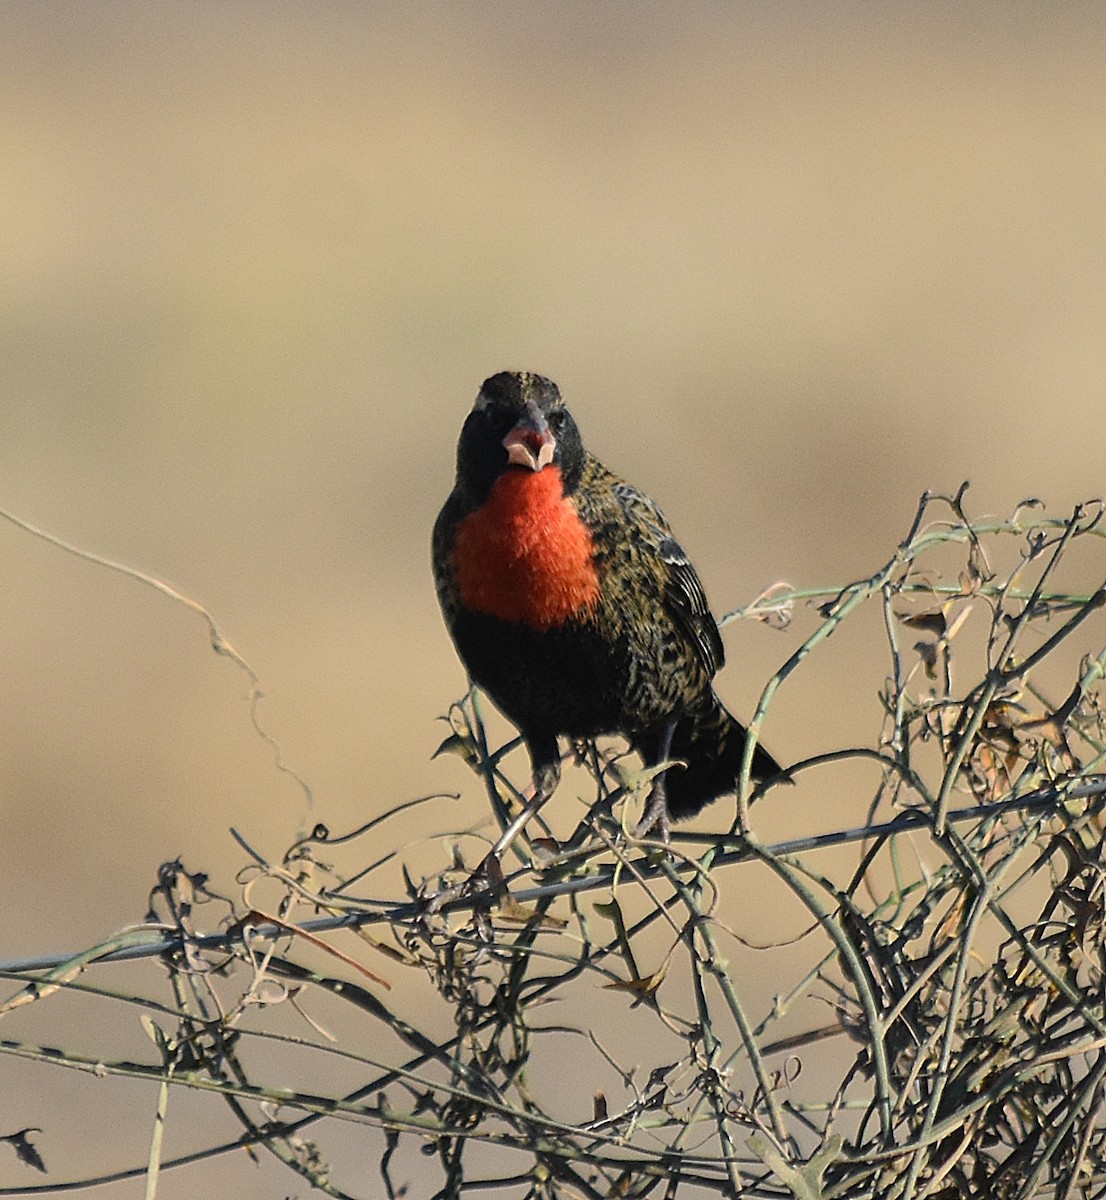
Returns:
(531, 442)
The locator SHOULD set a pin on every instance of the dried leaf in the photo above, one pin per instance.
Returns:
(492, 870)
(656, 1076)
(612, 910)
(1052, 727)
(932, 621)
(155, 1033)
(640, 779)
(21, 1143)
(929, 653)
(969, 580)
(545, 849)
(395, 953)
(463, 747)
(509, 909)
(1002, 715)
(977, 563)
(645, 986)
(989, 769)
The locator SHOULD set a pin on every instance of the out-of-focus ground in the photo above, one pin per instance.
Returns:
(791, 265)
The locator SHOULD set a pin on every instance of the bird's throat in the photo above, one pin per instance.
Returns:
(524, 555)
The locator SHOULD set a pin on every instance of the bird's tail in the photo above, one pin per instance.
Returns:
(712, 744)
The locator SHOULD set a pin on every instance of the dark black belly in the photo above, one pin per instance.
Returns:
(559, 681)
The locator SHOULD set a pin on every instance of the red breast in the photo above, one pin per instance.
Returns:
(524, 555)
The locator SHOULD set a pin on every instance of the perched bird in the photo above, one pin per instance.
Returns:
(574, 608)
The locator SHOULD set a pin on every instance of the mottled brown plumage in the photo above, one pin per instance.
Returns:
(572, 605)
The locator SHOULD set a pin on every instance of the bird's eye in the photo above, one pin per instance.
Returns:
(557, 419)
(500, 419)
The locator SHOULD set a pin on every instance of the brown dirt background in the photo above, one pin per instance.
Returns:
(791, 265)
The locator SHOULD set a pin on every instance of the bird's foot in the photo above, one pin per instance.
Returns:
(546, 777)
(656, 816)
(655, 819)
(486, 885)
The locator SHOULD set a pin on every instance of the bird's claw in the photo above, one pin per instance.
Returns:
(655, 818)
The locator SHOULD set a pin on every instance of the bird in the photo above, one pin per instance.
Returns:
(573, 607)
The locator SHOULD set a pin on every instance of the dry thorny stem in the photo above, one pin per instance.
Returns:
(922, 1014)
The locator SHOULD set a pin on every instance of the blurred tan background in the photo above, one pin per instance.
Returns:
(790, 264)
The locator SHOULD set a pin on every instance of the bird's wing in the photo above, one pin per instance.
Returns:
(683, 592)
(688, 604)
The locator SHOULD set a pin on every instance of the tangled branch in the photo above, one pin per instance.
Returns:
(587, 1020)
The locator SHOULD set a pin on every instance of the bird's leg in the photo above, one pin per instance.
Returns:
(547, 774)
(656, 808)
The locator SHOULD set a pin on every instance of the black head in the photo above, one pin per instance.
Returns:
(518, 423)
